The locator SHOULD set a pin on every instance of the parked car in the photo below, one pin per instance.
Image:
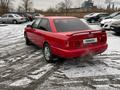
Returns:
(66, 37)
(95, 17)
(110, 16)
(27, 16)
(107, 23)
(116, 27)
(37, 15)
(12, 18)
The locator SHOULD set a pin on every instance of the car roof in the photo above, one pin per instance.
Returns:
(58, 17)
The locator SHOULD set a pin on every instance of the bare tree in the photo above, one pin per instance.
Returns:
(64, 5)
(51, 10)
(108, 1)
(61, 7)
(20, 9)
(68, 4)
(27, 5)
(5, 6)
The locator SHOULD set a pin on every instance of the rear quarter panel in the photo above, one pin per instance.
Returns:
(54, 39)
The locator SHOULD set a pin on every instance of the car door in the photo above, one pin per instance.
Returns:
(32, 31)
(10, 18)
(43, 27)
(4, 18)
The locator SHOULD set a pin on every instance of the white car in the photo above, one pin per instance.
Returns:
(95, 17)
(12, 18)
(107, 23)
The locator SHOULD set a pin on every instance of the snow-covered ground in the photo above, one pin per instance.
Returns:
(23, 67)
(102, 72)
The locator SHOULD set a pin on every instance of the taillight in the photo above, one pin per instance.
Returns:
(73, 44)
(103, 38)
(67, 44)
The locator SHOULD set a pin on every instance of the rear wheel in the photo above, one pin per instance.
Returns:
(47, 53)
(14, 22)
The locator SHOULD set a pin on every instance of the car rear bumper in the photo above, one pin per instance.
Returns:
(79, 52)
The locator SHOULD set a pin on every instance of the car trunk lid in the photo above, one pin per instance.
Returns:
(84, 39)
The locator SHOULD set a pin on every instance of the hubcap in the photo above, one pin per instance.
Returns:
(14, 22)
(47, 53)
(92, 21)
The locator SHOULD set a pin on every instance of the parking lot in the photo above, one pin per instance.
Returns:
(23, 67)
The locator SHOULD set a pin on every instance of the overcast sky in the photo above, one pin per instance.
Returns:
(45, 4)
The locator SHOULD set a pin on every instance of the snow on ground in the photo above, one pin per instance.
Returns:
(41, 71)
(113, 44)
(20, 65)
(21, 82)
(100, 72)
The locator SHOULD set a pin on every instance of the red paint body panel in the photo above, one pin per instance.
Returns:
(65, 44)
(79, 52)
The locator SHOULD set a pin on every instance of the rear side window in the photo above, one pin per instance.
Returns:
(44, 25)
(10, 16)
(36, 23)
(4, 16)
(73, 24)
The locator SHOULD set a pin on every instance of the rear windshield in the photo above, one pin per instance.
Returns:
(73, 24)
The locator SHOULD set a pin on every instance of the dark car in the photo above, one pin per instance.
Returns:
(95, 17)
(110, 16)
(28, 16)
(116, 27)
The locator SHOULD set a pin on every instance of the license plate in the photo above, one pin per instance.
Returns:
(91, 40)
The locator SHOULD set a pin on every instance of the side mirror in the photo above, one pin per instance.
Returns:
(29, 26)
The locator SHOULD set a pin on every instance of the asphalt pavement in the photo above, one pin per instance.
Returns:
(24, 68)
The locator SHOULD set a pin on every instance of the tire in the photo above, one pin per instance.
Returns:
(47, 53)
(92, 21)
(14, 22)
(27, 41)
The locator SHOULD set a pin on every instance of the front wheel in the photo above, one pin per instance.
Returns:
(27, 41)
(47, 53)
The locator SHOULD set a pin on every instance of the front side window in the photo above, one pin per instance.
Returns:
(116, 17)
(36, 23)
(44, 25)
(103, 15)
(71, 24)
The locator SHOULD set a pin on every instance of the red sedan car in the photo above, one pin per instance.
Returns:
(66, 37)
